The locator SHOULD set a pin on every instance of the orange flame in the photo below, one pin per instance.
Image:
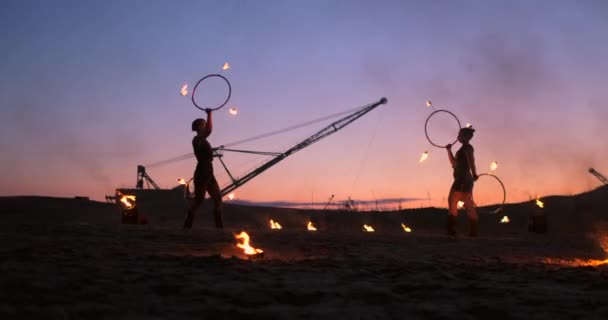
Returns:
(493, 165)
(311, 227)
(406, 228)
(226, 66)
(505, 219)
(248, 249)
(181, 181)
(184, 91)
(233, 111)
(460, 204)
(424, 156)
(275, 225)
(468, 125)
(576, 262)
(368, 228)
(539, 203)
(231, 196)
(128, 201)
(429, 103)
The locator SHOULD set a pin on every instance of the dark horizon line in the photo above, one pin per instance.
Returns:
(337, 203)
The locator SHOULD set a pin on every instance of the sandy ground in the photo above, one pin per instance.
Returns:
(72, 259)
(83, 271)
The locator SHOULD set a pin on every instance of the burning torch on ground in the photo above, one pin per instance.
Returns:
(250, 251)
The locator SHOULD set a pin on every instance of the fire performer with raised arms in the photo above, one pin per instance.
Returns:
(465, 174)
(204, 180)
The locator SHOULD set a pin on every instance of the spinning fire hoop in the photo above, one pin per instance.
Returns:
(426, 124)
(210, 76)
(504, 190)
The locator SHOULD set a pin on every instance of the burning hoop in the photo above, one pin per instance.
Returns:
(504, 191)
(426, 124)
(210, 76)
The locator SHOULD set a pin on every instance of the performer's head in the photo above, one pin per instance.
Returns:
(465, 134)
(198, 124)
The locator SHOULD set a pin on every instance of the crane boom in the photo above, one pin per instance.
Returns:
(328, 130)
(598, 175)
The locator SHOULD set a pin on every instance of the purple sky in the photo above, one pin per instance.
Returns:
(90, 89)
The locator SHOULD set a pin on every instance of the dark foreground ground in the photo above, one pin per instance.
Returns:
(112, 271)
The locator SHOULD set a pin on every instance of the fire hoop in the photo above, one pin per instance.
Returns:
(426, 124)
(209, 76)
(504, 191)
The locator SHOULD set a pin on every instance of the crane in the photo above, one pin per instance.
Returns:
(598, 175)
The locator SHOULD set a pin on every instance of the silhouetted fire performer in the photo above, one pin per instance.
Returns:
(204, 180)
(465, 174)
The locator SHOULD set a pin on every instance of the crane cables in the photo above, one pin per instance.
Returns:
(257, 137)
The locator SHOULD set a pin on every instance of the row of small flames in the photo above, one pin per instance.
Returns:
(129, 202)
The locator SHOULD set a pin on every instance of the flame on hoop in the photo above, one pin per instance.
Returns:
(505, 219)
(424, 156)
(233, 111)
(368, 228)
(406, 228)
(184, 91)
(493, 165)
(181, 181)
(429, 103)
(460, 204)
(226, 66)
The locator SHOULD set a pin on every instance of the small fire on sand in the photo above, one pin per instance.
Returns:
(226, 66)
(368, 228)
(460, 204)
(539, 203)
(493, 165)
(181, 181)
(184, 91)
(275, 225)
(233, 111)
(311, 227)
(406, 228)
(244, 244)
(505, 219)
(424, 156)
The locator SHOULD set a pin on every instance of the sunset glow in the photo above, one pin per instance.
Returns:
(124, 97)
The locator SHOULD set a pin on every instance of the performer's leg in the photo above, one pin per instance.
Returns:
(216, 197)
(199, 197)
(471, 213)
(452, 212)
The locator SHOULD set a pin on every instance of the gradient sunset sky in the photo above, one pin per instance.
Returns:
(90, 89)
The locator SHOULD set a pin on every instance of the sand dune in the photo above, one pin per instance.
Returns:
(72, 259)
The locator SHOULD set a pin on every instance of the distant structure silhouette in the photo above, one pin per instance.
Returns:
(599, 176)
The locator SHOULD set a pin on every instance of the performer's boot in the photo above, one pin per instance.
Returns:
(451, 225)
(473, 226)
(189, 220)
